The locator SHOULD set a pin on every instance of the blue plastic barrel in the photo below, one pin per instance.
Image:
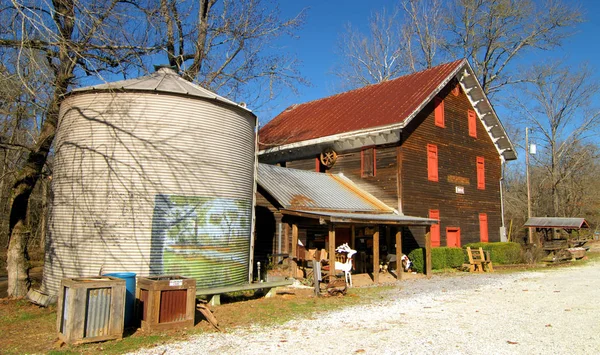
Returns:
(129, 278)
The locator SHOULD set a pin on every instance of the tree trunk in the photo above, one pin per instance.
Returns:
(18, 271)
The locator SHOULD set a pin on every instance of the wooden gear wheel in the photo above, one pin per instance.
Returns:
(328, 157)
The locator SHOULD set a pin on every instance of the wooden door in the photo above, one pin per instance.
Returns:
(453, 237)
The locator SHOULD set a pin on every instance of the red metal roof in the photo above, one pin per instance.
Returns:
(372, 106)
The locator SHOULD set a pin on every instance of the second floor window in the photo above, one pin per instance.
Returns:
(368, 166)
(480, 173)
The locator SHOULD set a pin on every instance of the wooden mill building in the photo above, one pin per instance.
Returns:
(428, 145)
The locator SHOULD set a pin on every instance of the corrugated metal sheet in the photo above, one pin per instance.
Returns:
(173, 305)
(307, 190)
(556, 222)
(164, 80)
(152, 184)
(97, 312)
(371, 106)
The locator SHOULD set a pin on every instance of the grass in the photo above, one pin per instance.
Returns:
(18, 317)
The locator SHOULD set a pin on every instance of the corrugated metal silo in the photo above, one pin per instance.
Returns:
(153, 175)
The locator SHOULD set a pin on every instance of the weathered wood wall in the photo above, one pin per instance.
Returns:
(457, 156)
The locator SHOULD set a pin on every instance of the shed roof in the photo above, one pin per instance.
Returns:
(332, 197)
(308, 190)
(164, 80)
(391, 104)
(557, 222)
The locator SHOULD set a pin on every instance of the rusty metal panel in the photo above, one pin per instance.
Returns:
(97, 312)
(173, 304)
(305, 190)
(139, 182)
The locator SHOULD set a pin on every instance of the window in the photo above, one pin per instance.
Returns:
(435, 228)
(368, 166)
(480, 173)
(472, 123)
(439, 111)
(432, 162)
(483, 228)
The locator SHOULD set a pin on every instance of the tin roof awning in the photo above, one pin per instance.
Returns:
(557, 222)
(362, 218)
(330, 198)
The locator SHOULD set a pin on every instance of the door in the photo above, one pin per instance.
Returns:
(483, 228)
(453, 237)
(435, 228)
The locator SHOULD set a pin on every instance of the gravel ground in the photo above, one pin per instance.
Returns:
(555, 311)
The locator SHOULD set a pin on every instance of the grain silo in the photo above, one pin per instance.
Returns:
(153, 175)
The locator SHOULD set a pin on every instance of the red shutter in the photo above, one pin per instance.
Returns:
(432, 162)
(439, 112)
(435, 228)
(480, 173)
(472, 123)
(483, 228)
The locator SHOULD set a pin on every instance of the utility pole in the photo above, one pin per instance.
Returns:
(528, 186)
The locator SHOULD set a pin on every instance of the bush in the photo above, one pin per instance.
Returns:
(441, 258)
(501, 252)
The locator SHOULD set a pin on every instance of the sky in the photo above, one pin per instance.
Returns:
(315, 45)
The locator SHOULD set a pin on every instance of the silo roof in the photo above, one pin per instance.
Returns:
(165, 80)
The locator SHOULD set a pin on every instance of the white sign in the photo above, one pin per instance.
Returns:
(174, 283)
(460, 190)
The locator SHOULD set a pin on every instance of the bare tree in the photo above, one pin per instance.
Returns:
(492, 33)
(225, 45)
(557, 103)
(65, 40)
(423, 33)
(375, 57)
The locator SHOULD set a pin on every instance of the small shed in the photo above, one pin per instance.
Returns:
(556, 244)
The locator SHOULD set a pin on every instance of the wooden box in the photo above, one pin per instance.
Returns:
(90, 309)
(165, 302)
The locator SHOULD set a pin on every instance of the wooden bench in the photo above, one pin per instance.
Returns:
(478, 260)
(214, 294)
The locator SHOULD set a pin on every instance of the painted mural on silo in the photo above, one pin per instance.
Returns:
(208, 231)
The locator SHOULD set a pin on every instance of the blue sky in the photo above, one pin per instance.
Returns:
(325, 21)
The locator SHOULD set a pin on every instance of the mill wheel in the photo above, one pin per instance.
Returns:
(328, 157)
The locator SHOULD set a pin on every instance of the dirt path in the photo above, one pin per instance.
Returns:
(547, 312)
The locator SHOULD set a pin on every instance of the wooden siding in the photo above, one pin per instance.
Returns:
(383, 185)
(457, 166)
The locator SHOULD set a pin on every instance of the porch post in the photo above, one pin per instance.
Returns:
(294, 256)
(399, 267)
(352, 237)
(286, 239)
(428, 252)
(331, 249)
(376, 255)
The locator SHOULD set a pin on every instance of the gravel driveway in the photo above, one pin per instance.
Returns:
(555, 311)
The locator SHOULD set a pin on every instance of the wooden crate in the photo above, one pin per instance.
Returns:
(165, 302)
(90, 309)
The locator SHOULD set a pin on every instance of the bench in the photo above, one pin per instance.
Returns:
(214, 294)
(478, 260)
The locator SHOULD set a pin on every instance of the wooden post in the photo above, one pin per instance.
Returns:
(331, 249)
(399, 267)
(376, 255)
(428, 252)
(352, 237)
(286, 239)
(294, 256)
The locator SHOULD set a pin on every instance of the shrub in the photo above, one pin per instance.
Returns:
(501, 252)
(441, 258)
